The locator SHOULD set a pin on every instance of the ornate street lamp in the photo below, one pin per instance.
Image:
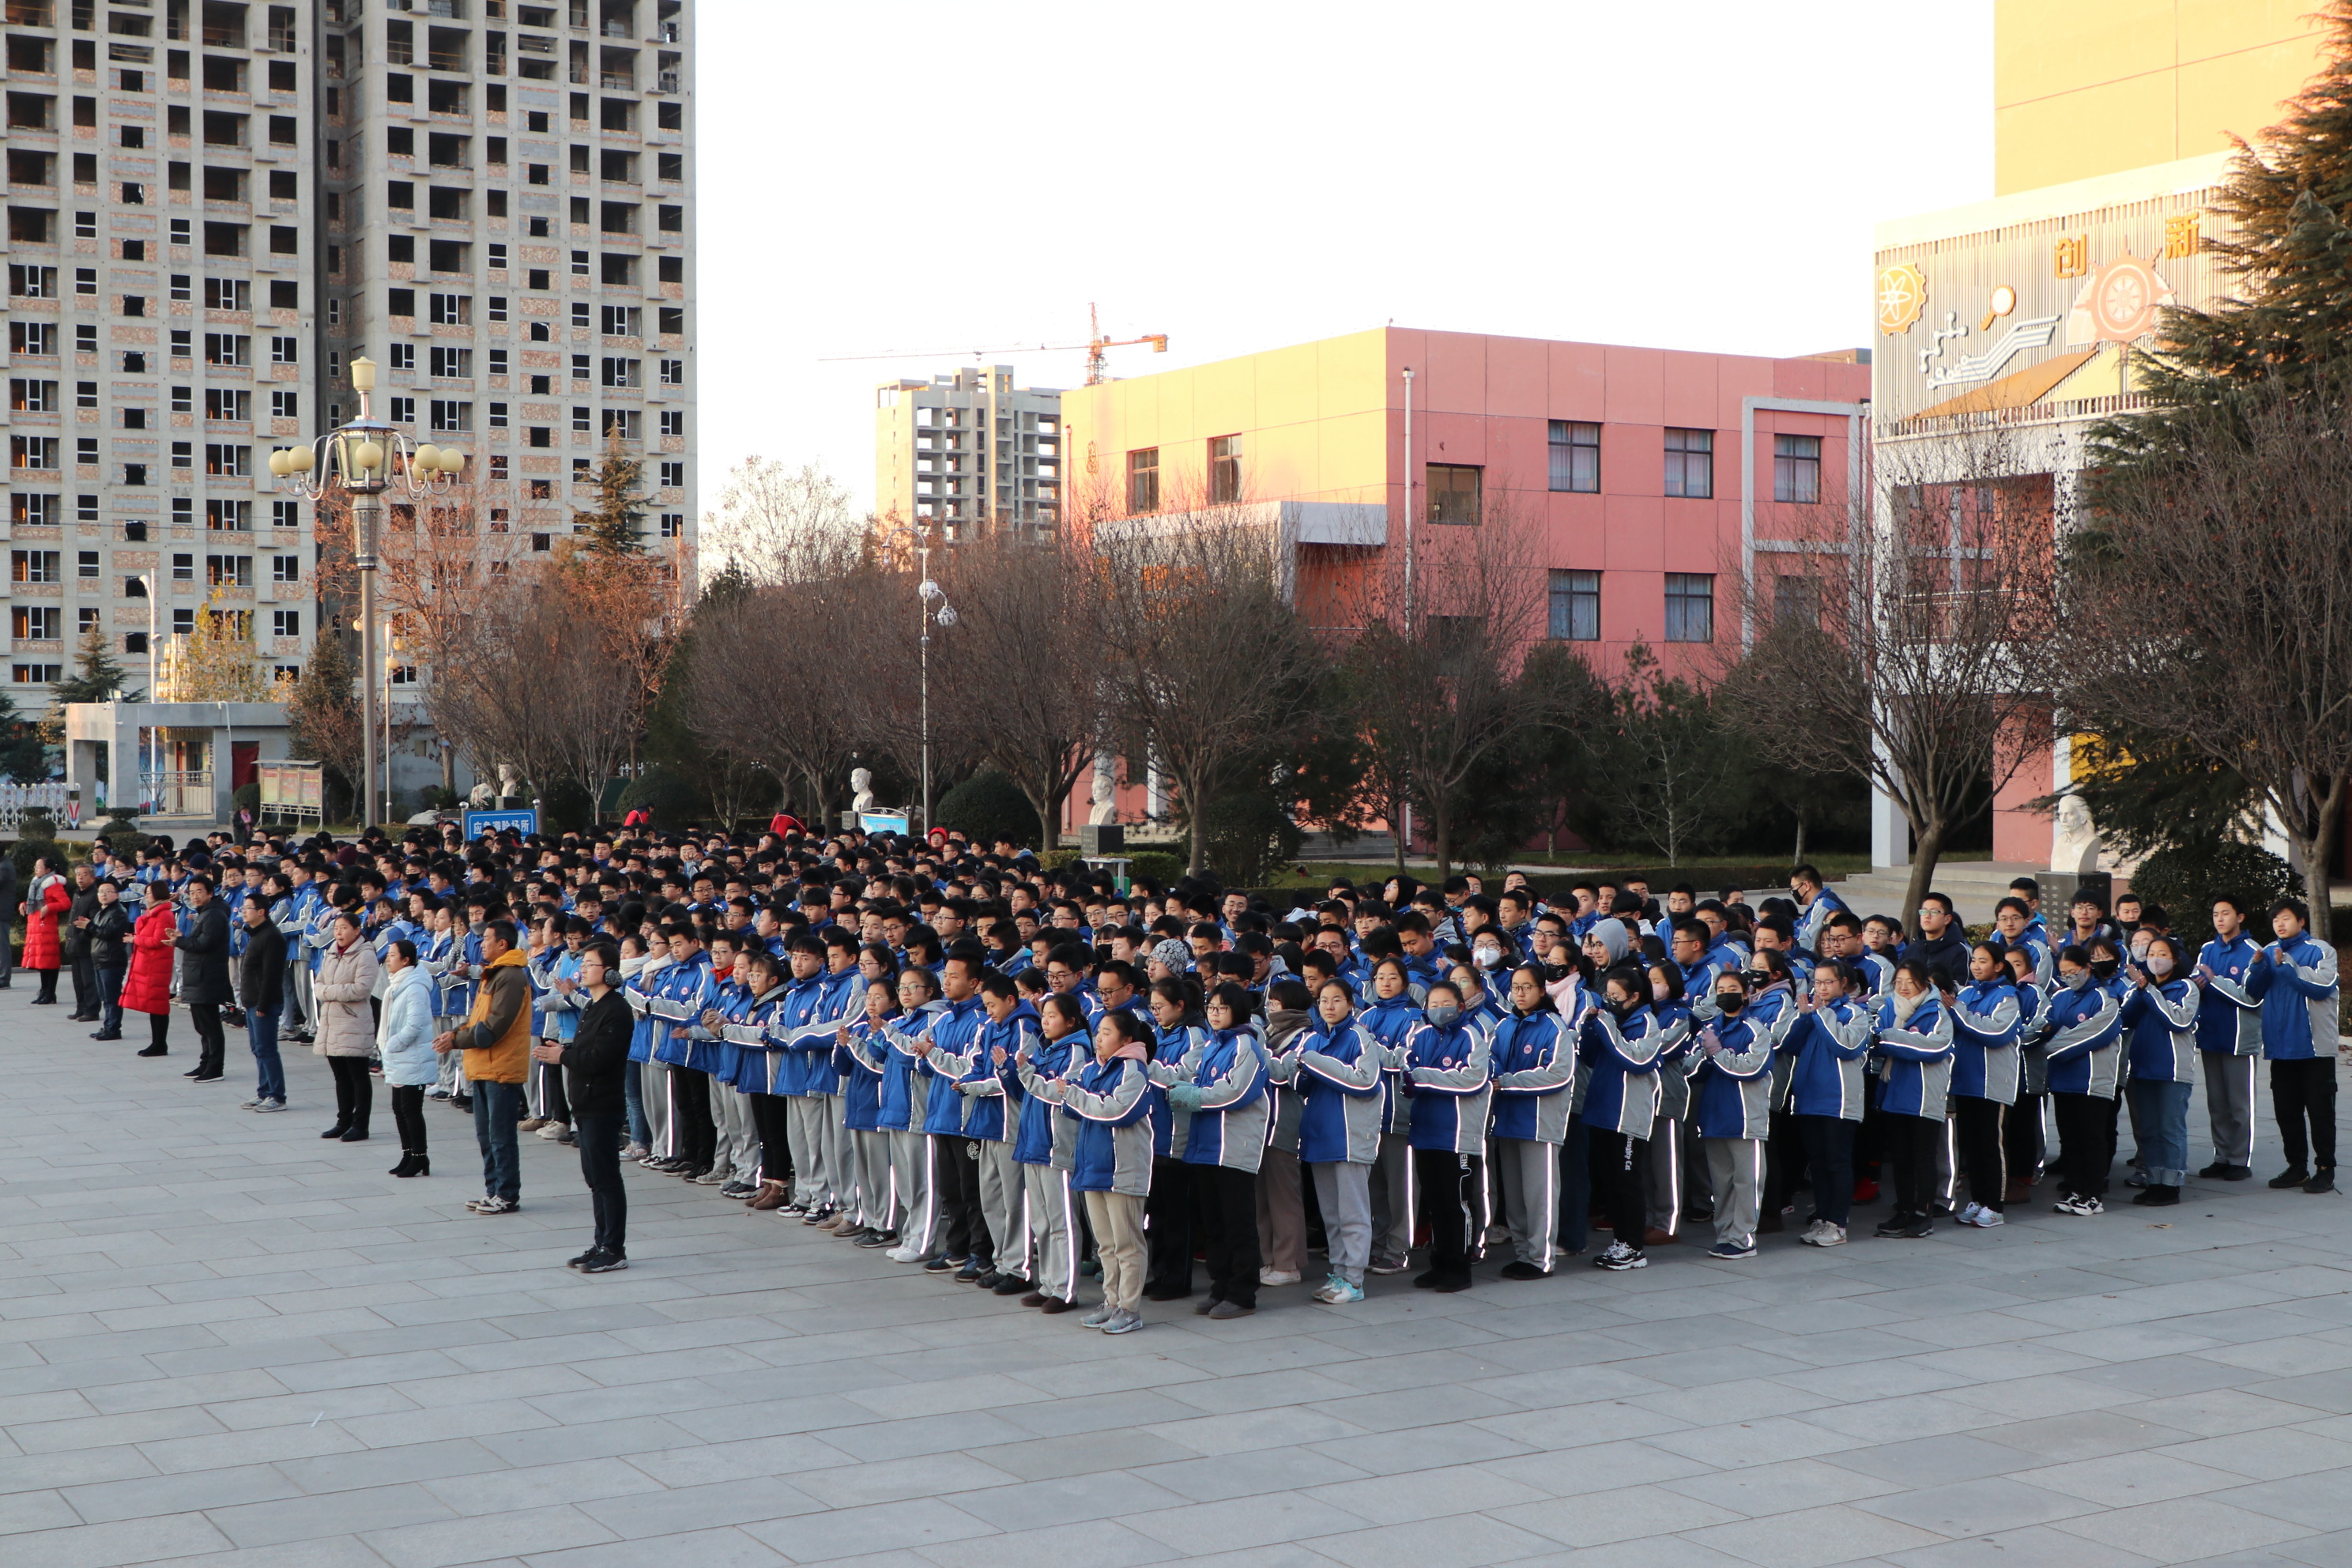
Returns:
(365, 459)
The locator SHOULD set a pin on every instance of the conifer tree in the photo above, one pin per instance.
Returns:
(97, 675)
(613, 524)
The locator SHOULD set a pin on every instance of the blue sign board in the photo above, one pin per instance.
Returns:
(882, 821)
(524, 821)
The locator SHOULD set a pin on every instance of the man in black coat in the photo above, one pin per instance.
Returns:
(76, 940)
(110, 955)
(204, 975)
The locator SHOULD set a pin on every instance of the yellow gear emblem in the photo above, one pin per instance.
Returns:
(1901, 296)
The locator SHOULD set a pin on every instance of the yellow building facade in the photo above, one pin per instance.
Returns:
(2085, 88)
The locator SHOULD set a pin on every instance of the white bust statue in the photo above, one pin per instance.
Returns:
(510, 780)
(861, 784)
(2075, 843)
(1102, 808)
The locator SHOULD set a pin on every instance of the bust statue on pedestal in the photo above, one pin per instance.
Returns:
(861, 784)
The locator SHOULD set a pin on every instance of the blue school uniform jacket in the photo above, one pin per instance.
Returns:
(2080, 1028)
(1112, 1105)
(1534, 1075)
(1390, 1022)
(1731, 1090)
(1229, 1068)
(1916, 1054)
(1449, 1076)
(1825, 1047)
(1043, 1135)
(1337, 1069)
(985, 1094)
(2159, 1022)
(2229, 1017)
(2297, 981)
(1620, 1059)
(861, 1083)
(1986, 1026)
(954, 1033)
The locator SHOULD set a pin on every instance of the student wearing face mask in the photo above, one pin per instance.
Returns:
(1219, 1086)
(1281, 1205)
(1985, 1027)
(1480, 1007)
(2080, 1028)
(2110, 973)
(2295, 981)
(1915, 1054)
(1731, 1109)
(1825, 1049)
(1393, 1012)
(1619, 1051)
(1448, 1074)
(2159, 1021)
(1773, 1005)
(1534, 1057)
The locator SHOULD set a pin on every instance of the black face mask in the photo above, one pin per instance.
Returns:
(1730, 1001)
(2105, 968)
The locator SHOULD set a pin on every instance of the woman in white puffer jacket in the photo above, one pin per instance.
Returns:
(404, 1040)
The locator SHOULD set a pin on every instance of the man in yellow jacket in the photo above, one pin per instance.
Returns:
(496, 1039)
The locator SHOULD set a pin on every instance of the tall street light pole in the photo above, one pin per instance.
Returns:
(365, 459)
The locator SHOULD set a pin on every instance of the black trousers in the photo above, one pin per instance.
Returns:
(1628, 1190)
(408, 1117)
(205, 1016)
(354, 1093)
(768, 1123)
(600, 1167)
(955, 1189)
(694, 1135)
(2087, 1142)
(1167, 1230)
(1227, 1202)
(553, 1102)
(159, 1030)
(1909, 1145)
(2020, 1137)
(1453, 1198)
(85, 983)
(1829, 1151)
(2302, 1096)
(1984, 1164)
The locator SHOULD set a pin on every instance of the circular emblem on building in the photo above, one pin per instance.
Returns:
(2124, 297)
(1901, 296)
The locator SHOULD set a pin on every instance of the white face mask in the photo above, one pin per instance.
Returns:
(2160, 963)
(1658, 991)
(1488, 957)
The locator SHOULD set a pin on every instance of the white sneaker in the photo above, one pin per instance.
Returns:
(2079, 1208)
(270, 1105)
(1826, 1234)
(1277, 1276)
(1988, 1218)
(1967, 1215)
(253, 1104)
(551, 1130)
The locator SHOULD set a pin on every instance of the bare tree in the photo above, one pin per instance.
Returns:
(1905, 644)
(1205, 658)
(1022, 664)
(767, 699)
(1435, 674)
(2208, 600)
(779, 525)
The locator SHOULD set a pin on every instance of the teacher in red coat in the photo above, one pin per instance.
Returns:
(147, 988)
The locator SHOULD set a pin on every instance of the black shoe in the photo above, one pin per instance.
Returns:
(156, 1052)
(1009, 1285)
(1895, 1225)
(2323, 1180)
(337, 1130)
(1919, 1229)
(604, 1262)
(943, 1265)
(356, 1135)
(1165, 1292)
(1429, 1282)
(1517, 1270)
(876, 1238)
(988, 1279)
(2217, 1172)
(576, 1262)
(462, 1101)
(104, 1035)
(197, 1071)
(410, 1164)
(969, 1273)
(2238, 1173)
(2156, 1197)
(2292, 1177)
(212, 1077)
(1452, 1283)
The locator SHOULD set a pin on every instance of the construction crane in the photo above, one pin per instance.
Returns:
(1093, 346)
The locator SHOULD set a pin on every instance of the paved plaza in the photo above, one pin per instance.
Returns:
(224, 1341)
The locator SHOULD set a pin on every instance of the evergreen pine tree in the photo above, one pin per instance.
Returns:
(2289, 257)
(96, 674)
(613, 524)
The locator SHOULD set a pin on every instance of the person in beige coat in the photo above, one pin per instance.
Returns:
(347, 973)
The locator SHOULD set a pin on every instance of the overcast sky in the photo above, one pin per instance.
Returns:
(932, 176)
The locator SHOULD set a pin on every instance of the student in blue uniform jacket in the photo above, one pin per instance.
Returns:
(2079, 1030)
(1447, 1071)
(1915, 1050)
(2022, 1138)
(2296, 983)
(1985, 1027)
(1111, 1101)
(1534, 1056)
(1731, 1108)
(1619, 1051)
(2159, 1022)
(1825, 1050)
(2229, 1039)
(1220, 1087)
(1043, 1144)
(1336, 1066)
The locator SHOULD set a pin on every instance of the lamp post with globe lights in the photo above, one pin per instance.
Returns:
(366, 458)
(936, 611)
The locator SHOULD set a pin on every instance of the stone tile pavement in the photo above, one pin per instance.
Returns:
(223, 1340)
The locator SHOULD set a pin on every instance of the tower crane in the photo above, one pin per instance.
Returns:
(1093, 346)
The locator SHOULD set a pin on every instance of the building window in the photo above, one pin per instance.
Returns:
(1690, 464)
(1143, 479)
(36, 623)
(673, 475)
(33, 566)
(1454, 491)
(1575, 456)
(1690, 608)
(673, 523)
(1224, 469)
(1575, 606)
(37, 674)
(1797, 600)
(286, 623)
(1797, 469)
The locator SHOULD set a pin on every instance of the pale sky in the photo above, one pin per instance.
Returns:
(924, 175)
